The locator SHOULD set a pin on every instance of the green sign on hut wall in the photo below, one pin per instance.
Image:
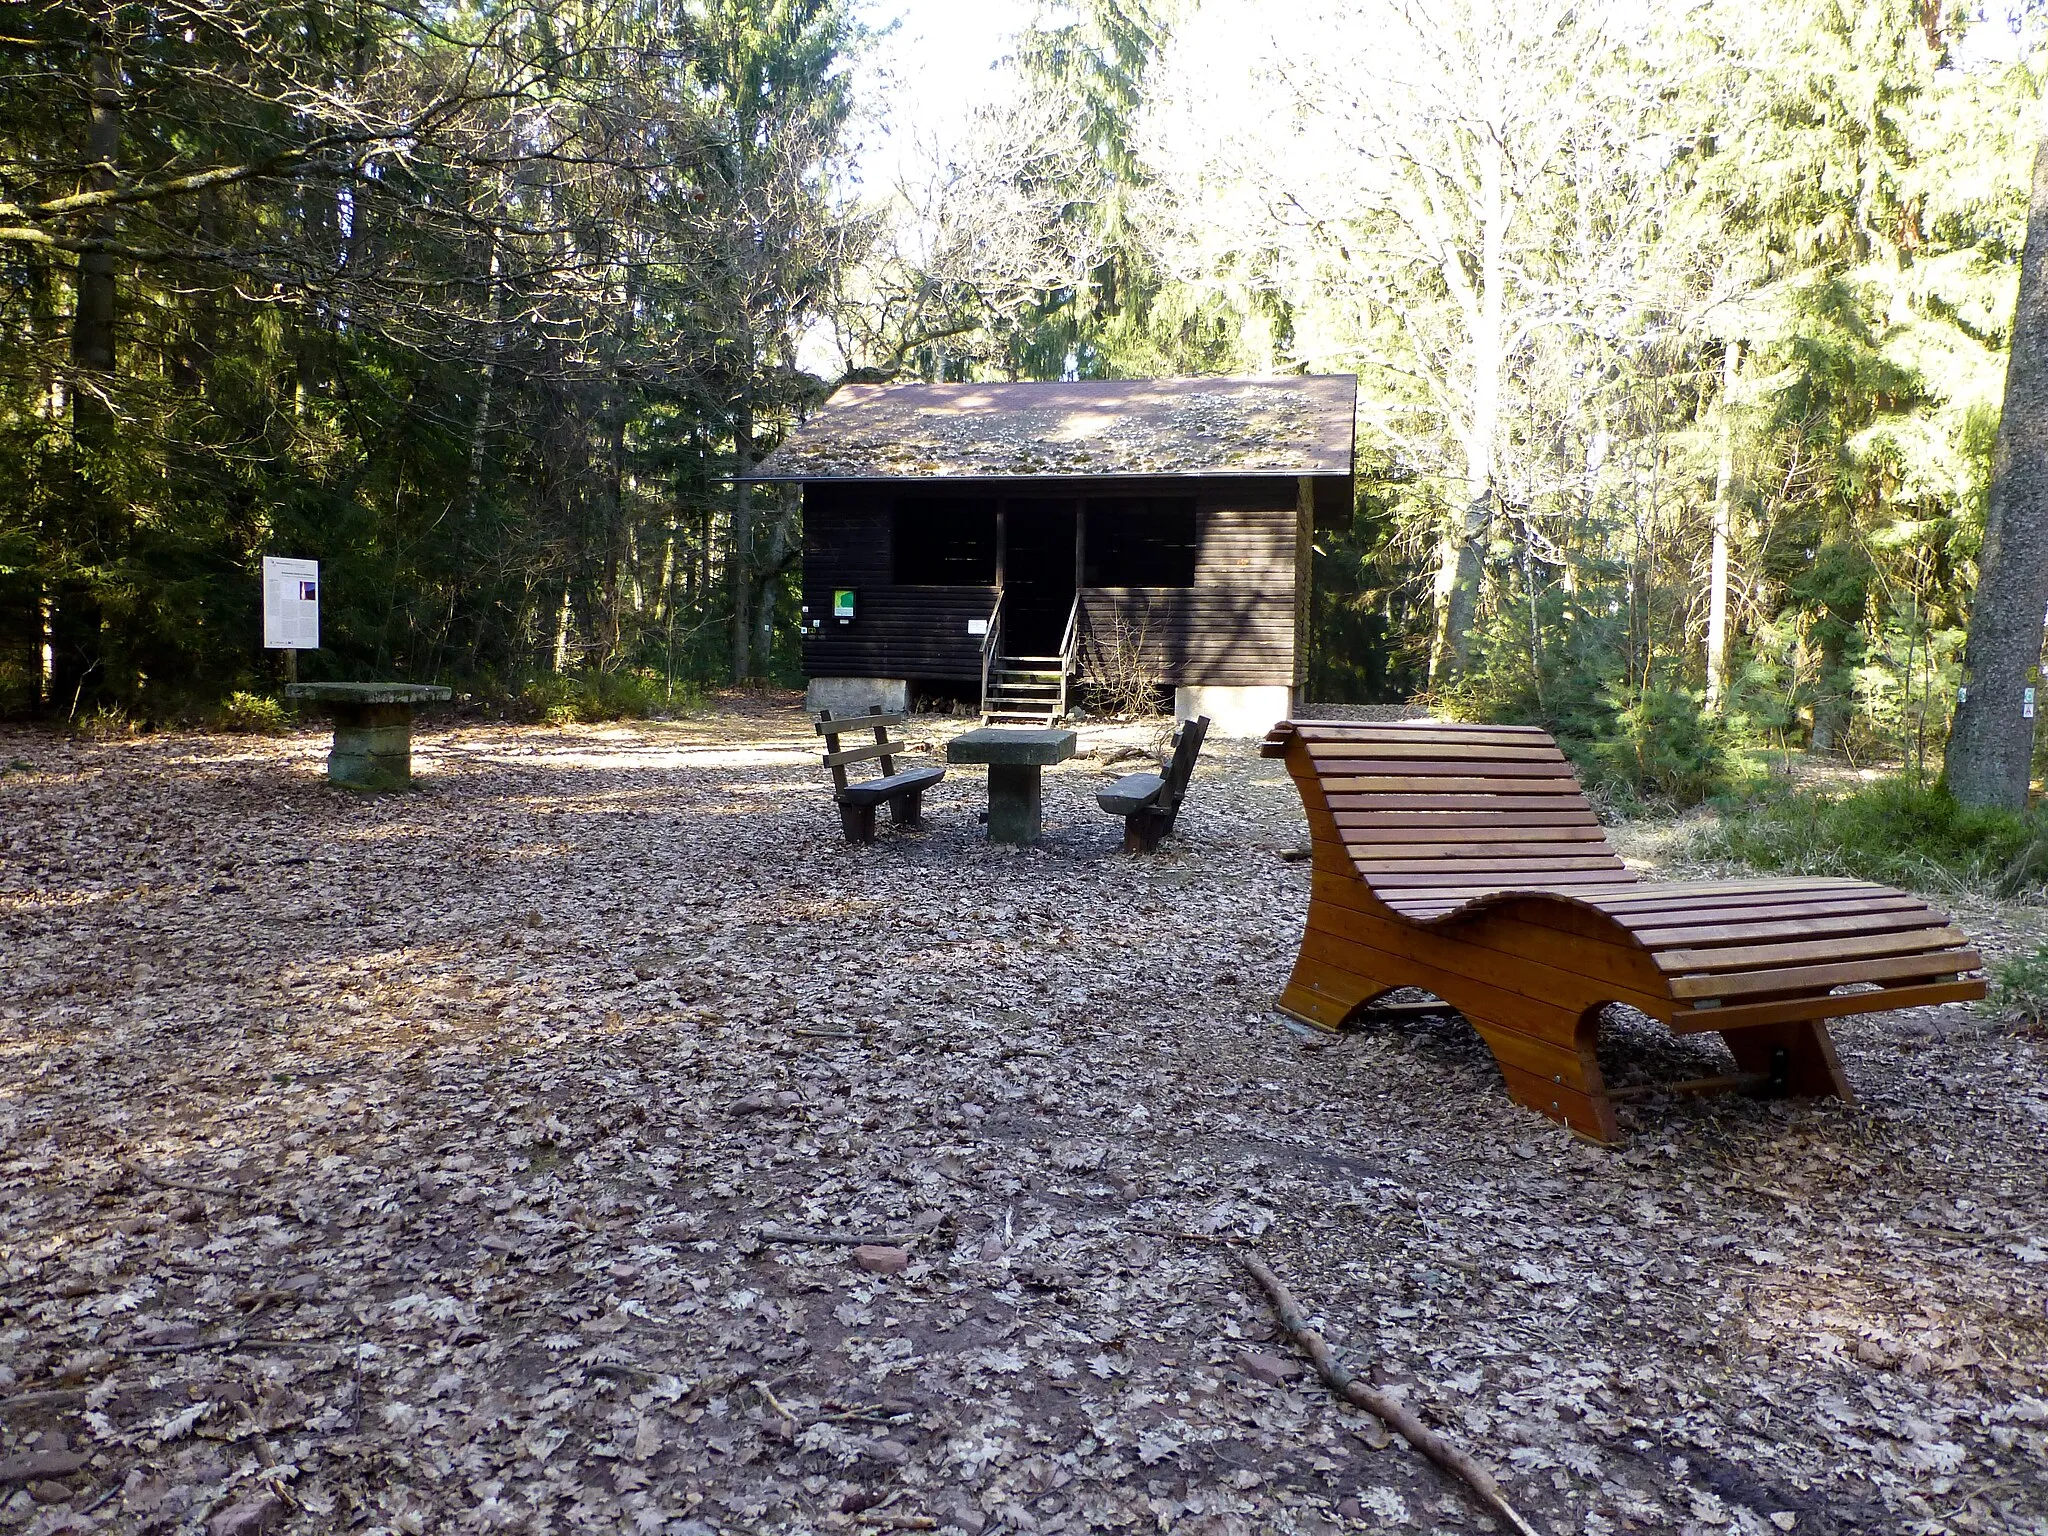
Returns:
(842, 604)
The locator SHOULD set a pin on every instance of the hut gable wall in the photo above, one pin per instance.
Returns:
(1234, 626)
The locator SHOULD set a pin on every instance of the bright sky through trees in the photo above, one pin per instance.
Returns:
(928, 74)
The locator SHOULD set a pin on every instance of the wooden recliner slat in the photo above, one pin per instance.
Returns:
(1464, 860)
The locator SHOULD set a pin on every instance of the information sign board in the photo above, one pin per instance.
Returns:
(291, 604)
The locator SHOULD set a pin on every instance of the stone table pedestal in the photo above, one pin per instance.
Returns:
(372, 729)
(1015, 759)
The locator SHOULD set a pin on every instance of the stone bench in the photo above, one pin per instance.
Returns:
(372, 729)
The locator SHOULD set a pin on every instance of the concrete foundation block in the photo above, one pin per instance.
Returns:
(1245, 713)
(1014, 803)
(855, 695)
(372, 747)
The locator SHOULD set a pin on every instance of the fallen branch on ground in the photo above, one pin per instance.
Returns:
(53, 1397)
(838, 1239)
(1219, 1239)
(162, 1181)
(1397, 1415)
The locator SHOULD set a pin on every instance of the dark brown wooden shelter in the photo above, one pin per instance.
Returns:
(1016, 539)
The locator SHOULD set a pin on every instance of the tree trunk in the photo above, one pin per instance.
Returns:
(768, 582)
(1991, 745)
(1717, 581)
(562, 631)
(740, 572)
(1830, 694)
(618, 535)
(77, 626)
(1461, 557)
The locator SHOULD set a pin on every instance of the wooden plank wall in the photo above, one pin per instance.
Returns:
(1235, 627)
(918, 632)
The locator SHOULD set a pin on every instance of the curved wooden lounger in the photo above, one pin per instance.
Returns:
(1465, 861)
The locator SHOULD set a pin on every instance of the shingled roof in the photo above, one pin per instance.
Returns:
(1290, 426)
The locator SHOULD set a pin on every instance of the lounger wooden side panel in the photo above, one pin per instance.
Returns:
(1464, 861)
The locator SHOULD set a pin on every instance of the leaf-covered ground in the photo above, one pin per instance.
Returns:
(400, 1164)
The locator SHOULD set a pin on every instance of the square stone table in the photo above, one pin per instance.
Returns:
(372, 729)
(1015, 760)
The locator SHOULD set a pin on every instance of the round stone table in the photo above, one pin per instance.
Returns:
(1015, 759)
(372, 729)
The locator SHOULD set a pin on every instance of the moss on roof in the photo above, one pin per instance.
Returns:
(1291, 426)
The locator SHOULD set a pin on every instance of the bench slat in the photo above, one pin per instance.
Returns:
(1341, 797)
(1472, 855)
(1469, 838)
(1131, 793)
(875, 791)
(1935, 962)
(1704, 935)
(847, 724)
(1833, 1005)
(1482, 789)
(1436, 750)
(1760, 957)
(1469, 766)
(861, 754)
(1465, 818)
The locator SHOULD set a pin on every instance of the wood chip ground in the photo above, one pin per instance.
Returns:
(395, 1165)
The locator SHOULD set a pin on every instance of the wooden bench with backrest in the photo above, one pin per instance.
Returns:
(1464, 860)
(1149, 802)
(902, 792)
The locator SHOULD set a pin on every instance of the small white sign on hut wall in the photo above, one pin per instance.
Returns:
(291, 604)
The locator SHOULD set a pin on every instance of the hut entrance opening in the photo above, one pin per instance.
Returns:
(1038, 574)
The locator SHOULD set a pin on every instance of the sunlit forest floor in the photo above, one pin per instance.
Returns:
(399, 1164)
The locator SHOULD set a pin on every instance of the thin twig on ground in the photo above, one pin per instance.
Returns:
(1396, 1414)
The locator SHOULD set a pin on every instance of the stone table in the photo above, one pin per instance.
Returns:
(1015, 758)
(372, 729)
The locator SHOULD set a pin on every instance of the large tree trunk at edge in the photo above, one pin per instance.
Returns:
(1991, 745)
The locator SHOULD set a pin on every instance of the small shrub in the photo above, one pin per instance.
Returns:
(253, 714)
(2019, 987)
(1666, 747)
(1122, 679)
(1894, 831)
(585, 698)
(109, 722)
(1634, 750)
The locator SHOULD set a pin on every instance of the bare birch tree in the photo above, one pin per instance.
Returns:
(1416, 160)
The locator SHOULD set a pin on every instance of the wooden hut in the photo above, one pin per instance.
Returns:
(1013, 542)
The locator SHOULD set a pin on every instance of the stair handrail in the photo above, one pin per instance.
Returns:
(1070, 643)
(990, 641)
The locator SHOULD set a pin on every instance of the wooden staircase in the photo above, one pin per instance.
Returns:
(1027, 690)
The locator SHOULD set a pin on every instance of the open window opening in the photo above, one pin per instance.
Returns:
(1141, 541)
(945, 541)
